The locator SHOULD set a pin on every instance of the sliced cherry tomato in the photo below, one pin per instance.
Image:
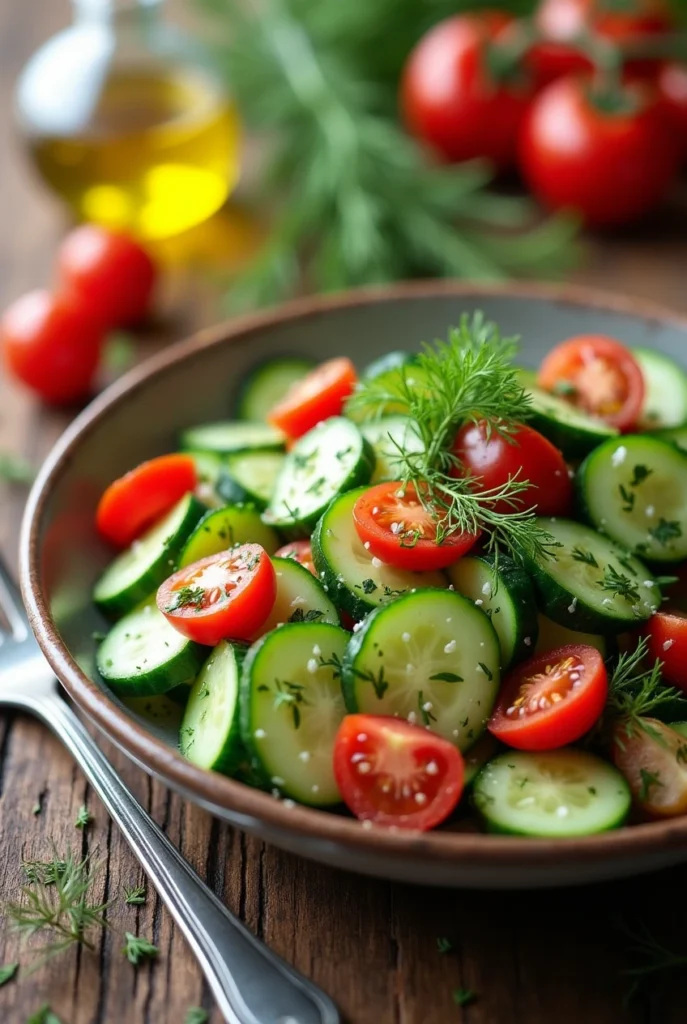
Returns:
(492, 460)
(52, 343)
(299, 551)
(667, 635)
(113, 275)
(611, 164)
(397, 528)
(223, 596)
(653, 759)
(393, 773)
(136, 500)
(552, 699)
(451, 101)
(319, 395)
(597, 374)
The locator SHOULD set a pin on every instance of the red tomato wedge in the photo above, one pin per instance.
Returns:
(551, 699)
(299, 551)
(667, 635)
(393, 773)
(528, 455)
(395, 527)
(136, 500)
(223, 596)
(319, 395)
(597, 374)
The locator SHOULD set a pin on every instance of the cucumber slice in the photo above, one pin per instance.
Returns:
(291, 709)
(504, 592)
(486, 748)
(431, 657)
(386, 437)
(300, 597)
(224, 528)
(232, 437)
(210, 736)
(140, 570)
(553, 635)
(674, 435)
(558, 794)
(143, 655)
(591, 584)
(209, 468)
(267, 383)
(665, 390)
(330, 459)
(355, 580)
(635, 490)
(250, 477)
(572, 430)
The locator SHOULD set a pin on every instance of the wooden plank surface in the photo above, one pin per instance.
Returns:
(531, 958)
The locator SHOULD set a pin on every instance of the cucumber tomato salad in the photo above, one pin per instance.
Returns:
(444, 584)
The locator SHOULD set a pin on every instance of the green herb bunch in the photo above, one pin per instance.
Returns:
(358, 201)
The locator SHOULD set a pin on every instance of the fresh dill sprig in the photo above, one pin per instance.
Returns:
(636, 691)
(56, 903)
(135, 894)
(652, 958)
(468, 379)
(618, 584)
(138, 948)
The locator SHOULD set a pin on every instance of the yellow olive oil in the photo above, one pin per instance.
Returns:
(153, 151)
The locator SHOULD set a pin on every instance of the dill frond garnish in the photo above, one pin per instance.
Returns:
(636, 691)
(467, 379)
(55, 903)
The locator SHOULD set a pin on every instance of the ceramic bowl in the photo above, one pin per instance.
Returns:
(141, 415)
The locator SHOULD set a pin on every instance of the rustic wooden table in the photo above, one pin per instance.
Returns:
(530, 958)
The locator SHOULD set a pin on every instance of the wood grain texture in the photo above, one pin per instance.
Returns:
(531, 958)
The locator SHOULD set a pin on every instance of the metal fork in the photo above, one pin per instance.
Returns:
(250, 983)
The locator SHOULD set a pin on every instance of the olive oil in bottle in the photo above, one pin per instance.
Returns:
(126, 122)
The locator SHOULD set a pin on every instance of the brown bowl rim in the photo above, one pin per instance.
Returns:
(221, 792)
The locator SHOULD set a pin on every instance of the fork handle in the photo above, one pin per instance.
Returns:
(251, 984)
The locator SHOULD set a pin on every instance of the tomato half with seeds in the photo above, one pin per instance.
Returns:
(397, 528)
(298, 551)
(653, 759)
(552, 699)
(667, 636)
(316, 397)
(392, 773)
(227, 596)
(598, 374)
(525, 454)
(136, 500)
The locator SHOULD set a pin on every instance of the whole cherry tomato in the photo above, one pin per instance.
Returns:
(52, 343)
(111, 272)
(564, 24)
(672, 86)
(524, 455)
(451, 99)
(612, 162)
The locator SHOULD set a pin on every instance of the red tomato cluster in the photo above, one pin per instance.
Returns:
(540, 95)
(52, 340)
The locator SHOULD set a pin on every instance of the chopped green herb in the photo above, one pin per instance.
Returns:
(580, 555)
(369, 586)
(618, 584)
(649, 779)
(425, 709)
(487, 671)
(463, 996)
(98, 636)
(447, 677)
(16, 470)
(135, 895)
(639, 475)
(44, 1015)
(138, 949)
(7, 972)
(83, 818)
(196, 1015)
(36, 809)
(291, 695)
(628, 498)
(187, 597)
(444, 945)
(312, 615)
(666, 530)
